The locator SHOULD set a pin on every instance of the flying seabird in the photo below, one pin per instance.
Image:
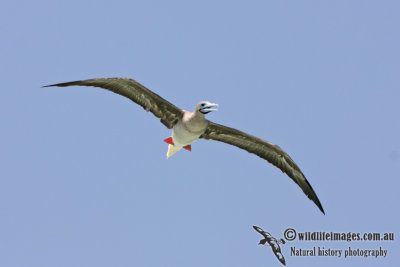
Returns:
(273, 242)
(188, 126)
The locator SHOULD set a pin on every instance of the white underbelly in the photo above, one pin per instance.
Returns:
(181, 137)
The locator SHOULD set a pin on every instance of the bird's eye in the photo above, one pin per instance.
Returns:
(202, 104)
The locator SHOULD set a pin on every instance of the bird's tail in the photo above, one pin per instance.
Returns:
(172, 150)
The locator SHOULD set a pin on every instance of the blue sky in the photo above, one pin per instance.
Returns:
(84, 178)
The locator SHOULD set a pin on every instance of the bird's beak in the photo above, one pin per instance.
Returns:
(209, 107)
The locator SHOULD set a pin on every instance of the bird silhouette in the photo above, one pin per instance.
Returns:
(273, 242)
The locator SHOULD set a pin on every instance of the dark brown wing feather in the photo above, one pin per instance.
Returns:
(150, 101)
(264, 149)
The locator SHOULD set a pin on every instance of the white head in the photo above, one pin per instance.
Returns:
(205, 107)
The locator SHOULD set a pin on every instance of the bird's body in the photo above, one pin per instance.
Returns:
(186, 131)
(188, 126)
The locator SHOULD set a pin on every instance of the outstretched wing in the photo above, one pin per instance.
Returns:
(261, 231)
(278, 253)
(264, 149)
(168, 113)
(258, 229)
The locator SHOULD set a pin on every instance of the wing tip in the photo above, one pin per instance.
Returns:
(56, 84)
(310, 193)
(63, 84)
(83, 82)
(318, 203)
(322, 210)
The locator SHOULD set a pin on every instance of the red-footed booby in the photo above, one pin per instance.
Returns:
(188, 126)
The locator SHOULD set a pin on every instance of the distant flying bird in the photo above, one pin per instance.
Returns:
(188, 126)
(273, 242)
